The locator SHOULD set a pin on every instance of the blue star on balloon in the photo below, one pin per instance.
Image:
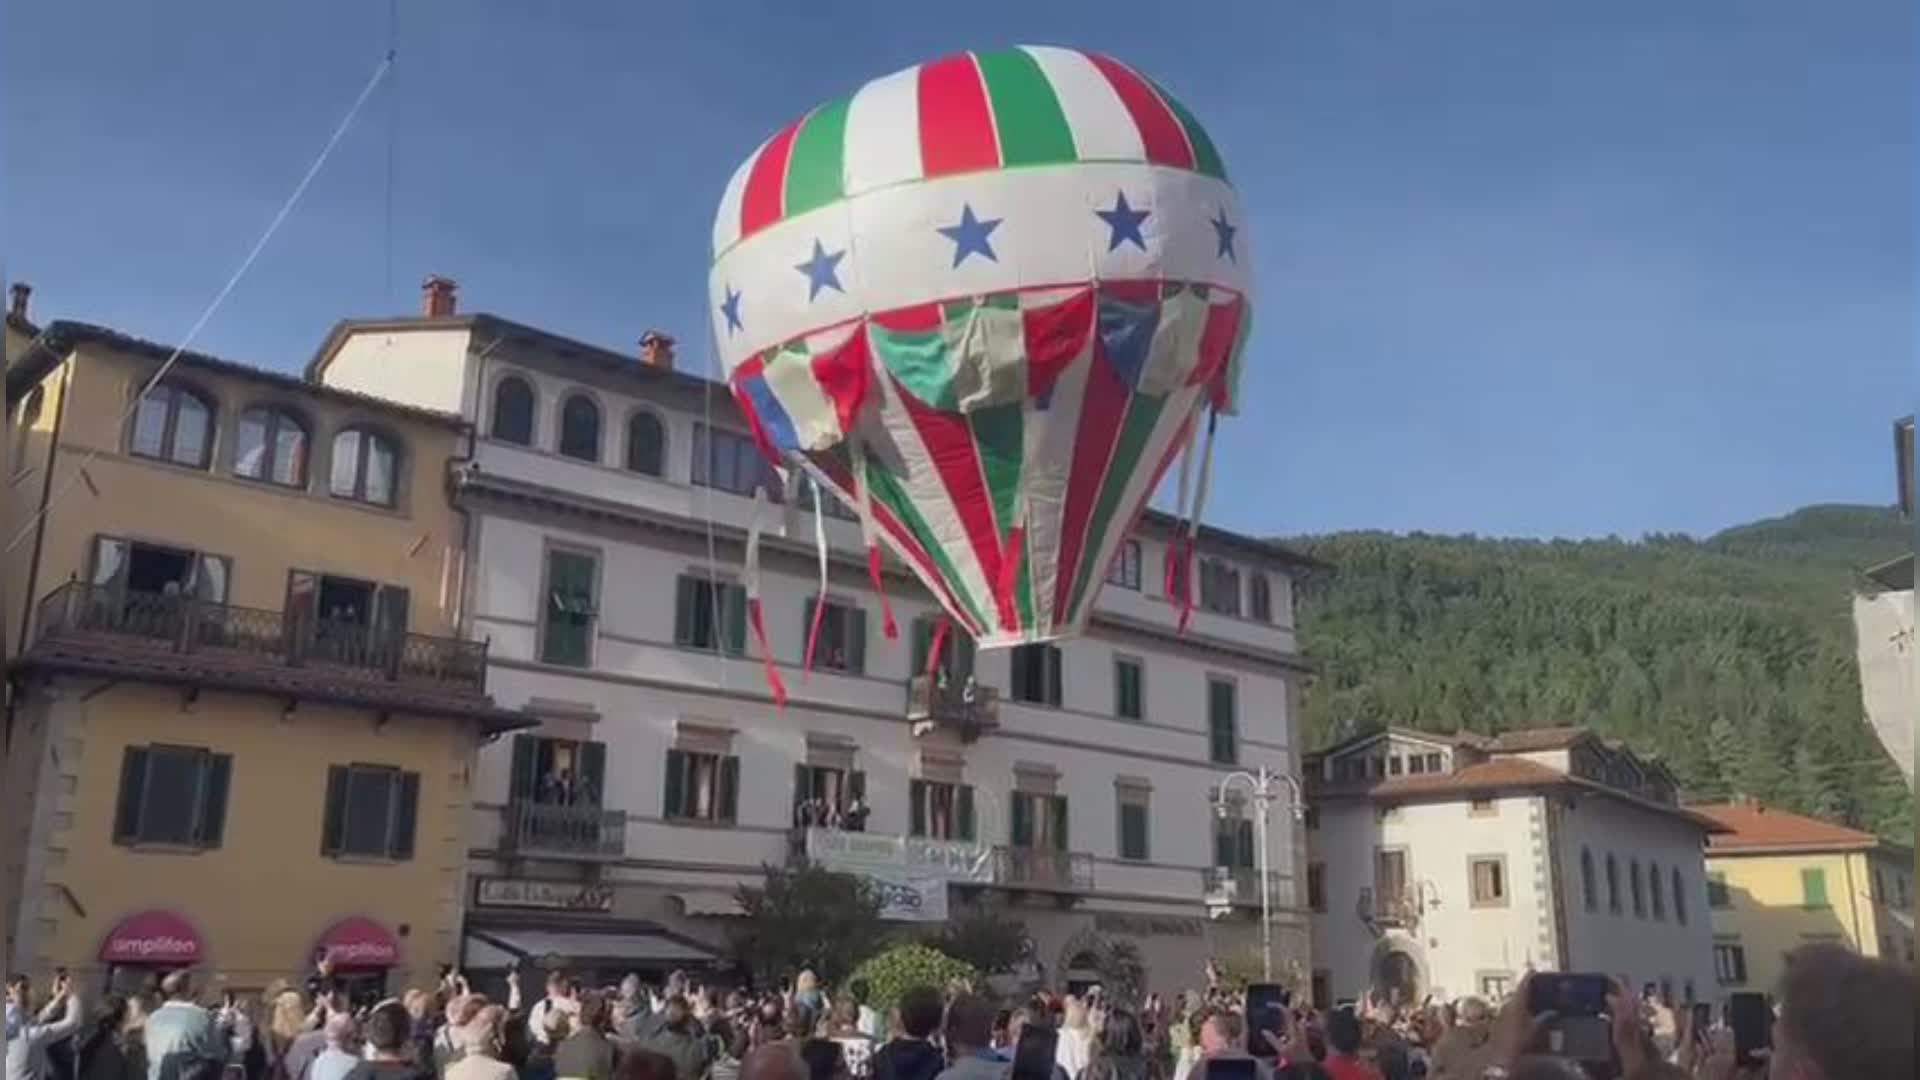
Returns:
(1124, 223)
(731, 309)
(970, 235)
(1223, 232)
(822, 270)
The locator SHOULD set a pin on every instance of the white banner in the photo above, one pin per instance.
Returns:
(910, 899)
(900, 858)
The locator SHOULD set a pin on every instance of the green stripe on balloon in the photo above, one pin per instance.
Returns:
(1205, 157)
(886, 488)
(1143, 415)
(1032, 126)
(918, 359)
(815, 166)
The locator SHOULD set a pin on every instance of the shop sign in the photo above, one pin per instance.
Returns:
(358, 942)
(152, 937)
(498, 892)
(1113, 922)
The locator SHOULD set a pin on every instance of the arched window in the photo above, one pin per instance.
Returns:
(174, 423)
(580, 428)
(29, 416)
(1657, 891)
(366, 467)
(271, 444)
(1587, 889)
(513, 411)
(1637, 884)
(1613, 884)
(646, 444)
(1679, 899)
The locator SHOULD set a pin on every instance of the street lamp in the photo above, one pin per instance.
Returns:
(1261, 786)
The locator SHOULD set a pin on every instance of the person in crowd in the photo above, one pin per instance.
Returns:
(969, 1039)
(1658, 1015)
(1076, 1037)
(911, 1054)
(1031, 1015)
(680, 1041)
(774, 1061)
(312, 1040)
(341, 1053)
(1843, 1017)
(1120, 1053)
(101, 1053)
(822, 1059)
(843, 1027)
(29, 1034)
(182, 1041)
(806, 992)
(1464, 1051)
(587, 1054)
(286, 1021)
(643, 1065)
(483, 1047)
(133, 1035)
(1224, 1036)
(559, 1002)
(728, 1043)
(392, 1046)
(1343, 1048)
(871, 1023)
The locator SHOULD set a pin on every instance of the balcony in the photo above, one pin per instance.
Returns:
(1238, 886)
(962, 706)
(547, 830)
(1389, 909)
(228, 639)
(1042, 869)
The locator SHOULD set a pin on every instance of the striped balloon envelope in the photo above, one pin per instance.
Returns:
(987, 301)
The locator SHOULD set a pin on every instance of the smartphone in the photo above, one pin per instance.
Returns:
(1567, 994)
(1230, 1068)
(1751, 1019)
(1266, 1011)
(1033, 1055)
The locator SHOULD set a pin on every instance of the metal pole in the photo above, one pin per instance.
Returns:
(1264, 800)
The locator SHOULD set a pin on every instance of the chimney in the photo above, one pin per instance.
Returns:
(656, 350)
(17, 295)
(436, 296)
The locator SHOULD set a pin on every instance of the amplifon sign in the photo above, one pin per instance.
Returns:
(160, 938)
(358, 942)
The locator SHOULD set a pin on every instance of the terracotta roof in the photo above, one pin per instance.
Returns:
(1501, 775)
(1752, 826)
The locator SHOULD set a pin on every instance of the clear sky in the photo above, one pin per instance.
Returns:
(1526, 267)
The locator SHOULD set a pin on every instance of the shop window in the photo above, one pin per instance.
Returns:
(370, 812)
(174, 796)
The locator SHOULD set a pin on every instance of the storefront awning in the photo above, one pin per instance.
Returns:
(358, 942)
(157, 937)
(638, 945)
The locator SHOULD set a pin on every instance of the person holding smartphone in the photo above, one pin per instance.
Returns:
(30, 1034)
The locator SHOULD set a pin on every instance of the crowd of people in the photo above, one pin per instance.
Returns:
(1841, 1017)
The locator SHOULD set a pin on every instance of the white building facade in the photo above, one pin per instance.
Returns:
(1452, 864)
(608, 497)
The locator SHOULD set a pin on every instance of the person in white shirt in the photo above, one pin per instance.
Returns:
(340, 1056)
(1076, 1038)
(560, 1001)
(28, 1036)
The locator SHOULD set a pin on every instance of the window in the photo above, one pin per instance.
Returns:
(1260, 592)
(1495, 987)
(1656, 892)
(1718, 896)
(172, 795)
(1416, 764)
(1434, 764)
(346, 620)
(1588, 893)
(1813, 887)
(1613, 884)
(371, 811)
(30, 410)
(701, 787)
(956, 649)
(1879, 885)
(1128, 701)
(1233, 839)
(1730, 964)
(1133, 826)
(646, 444)
(1317, 886)
(580, 428)
(835, 787)
(710, 615)
(271, 445)
(567, 617)
(1219, 587)
(127, 575)
(1039, 821)
(1124, 571)
(364, 467)
(173, 424)
(1036, 674)
(834, 507)
(1222, 724)
(941, 811)
(1488, 875)
(1637, 884)
(1482, 808)
(728, 461)
(558, 772)
(1396, 765)
(1679, 899)
(842, 644)
(513, 411)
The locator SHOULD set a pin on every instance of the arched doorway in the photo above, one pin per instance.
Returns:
(1399, 972)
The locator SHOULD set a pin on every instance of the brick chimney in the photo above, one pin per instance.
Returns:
(17, 295)
(437, 296)
(656, 350)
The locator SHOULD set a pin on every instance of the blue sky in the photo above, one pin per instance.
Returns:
(1527, 267)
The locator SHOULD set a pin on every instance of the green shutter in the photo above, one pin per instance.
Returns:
(965, 813)
(1053, 675)
(213, 799)
(593, 769)
(675, 788)
(525, 781)
(1021, 827)
(1243, 837)
(733, 604)
(1813, 882)
(1223, 843)
(922, 644)
(802, 785)
(729, 789)
(1058, 806)
(333, 830)
(916, 808)
(133, 788)
(857, 785)
(406, 815)
(685, 601)
(856, 631)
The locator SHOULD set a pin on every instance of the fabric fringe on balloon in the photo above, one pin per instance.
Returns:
(870, 537)
(1193, 522)
(820, 597)
(775, 684)
(1177, 565)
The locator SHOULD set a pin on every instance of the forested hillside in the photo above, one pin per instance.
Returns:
(1730, 657)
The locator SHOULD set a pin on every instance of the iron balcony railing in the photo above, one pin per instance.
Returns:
(1042, 868)
(183, 624)
(590, 832)
(960, 704)
(1398, 909)
(1239, 885)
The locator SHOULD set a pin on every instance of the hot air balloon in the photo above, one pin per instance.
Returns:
(987, 302)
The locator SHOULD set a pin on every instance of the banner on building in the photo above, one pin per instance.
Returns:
(911, 873)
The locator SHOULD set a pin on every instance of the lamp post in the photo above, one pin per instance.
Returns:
(1261, 786)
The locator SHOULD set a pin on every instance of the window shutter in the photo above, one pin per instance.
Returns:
(959, 652)
(1022, 824)
(1223, 843)
(729, 789)
(406, 814)
(593, 769)
(922, 644)
(802, 788)
(806, 624)
(917, 808)
(1059, 808)
(857, 785)
(685, 601)
(733, 604)
(1244, 841)
(856, 631)
(1053, 675)
(1739, 964)
(525, 782)
(213, 799)
(675, 787)
(133, 788)
(965, 813)
(333, 832)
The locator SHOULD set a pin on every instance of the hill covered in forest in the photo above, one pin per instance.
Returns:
(1730, 657)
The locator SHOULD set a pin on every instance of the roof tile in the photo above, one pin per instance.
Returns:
(1753, 827)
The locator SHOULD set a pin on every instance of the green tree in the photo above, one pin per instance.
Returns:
(807, 917)
(897, 970)
(983, 937)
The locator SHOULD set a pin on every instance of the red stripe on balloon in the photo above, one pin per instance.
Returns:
(956, 122)
(1216, 343)
(906, 544)
(1101, 410)
(1055, 336)
(764, 201)
(949, 442)
(1160, 131)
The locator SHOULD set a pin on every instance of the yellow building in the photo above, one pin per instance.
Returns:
(1778, 880)
(240, 728)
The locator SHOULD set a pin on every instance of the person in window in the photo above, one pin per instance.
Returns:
(584, 793)
(29, 1034)
(856, 815)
